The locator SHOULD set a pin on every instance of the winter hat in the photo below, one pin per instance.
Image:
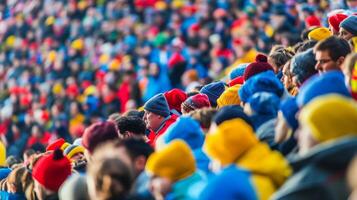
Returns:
(158, 105)
(320, 33)
(167, 162)
(263, 82)
(74, 188)
(213, 91)
(289, 108)
(176, 58)
(350, 24)
(231, 112)
(239, 80)
(318, 85)
(303, 65)
(52, 170)
(187, 129)
(229, 97)
(330, 117)
(175, 98)
(335, 20)
(264, 103)
(196, 102)
(311, 21)
(226, 145)
(98, 133)
(2, 155)
(72, 150)
(239, 71)
(57, 144)
(260, 65)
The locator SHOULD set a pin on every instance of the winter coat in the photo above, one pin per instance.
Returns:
(153, 136)
(189, 188)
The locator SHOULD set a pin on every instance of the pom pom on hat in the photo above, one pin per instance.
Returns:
(260, 65)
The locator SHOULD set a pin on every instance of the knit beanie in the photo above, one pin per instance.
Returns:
(289, 108)
(52, 170)
(335, 20)
(238, 80)
(197, 101)
(73, 150)
(350, 24)
(330, 117)
(260, 65)
(231, 112)
(303, 65)
(263, 82)
(175, 98)
(57, 144)
(264, 103)
(213, 91)
(238, 71)
(226, 144)
(168, 162)
(318, 85)
(158, 105)
(99, 133)
(320, 33)
(229, 97)
(187, 129)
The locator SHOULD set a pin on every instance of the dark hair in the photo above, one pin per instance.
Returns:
(135, 147)
(306, 45)
(132, 124)
(204, 116)
(281, 56)
(134, 113)
(335, 46)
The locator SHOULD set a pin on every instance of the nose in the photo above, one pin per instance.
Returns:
(318, 66)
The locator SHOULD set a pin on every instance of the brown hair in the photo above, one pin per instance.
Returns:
(21, 178)
(204, 116)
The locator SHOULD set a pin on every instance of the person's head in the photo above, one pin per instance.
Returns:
(330, 53)
(99, 133)
(19, 180)
(165, 167)
(213, 91)
(204, 117)
(348, 67)
(131, 127)
(327, 118)
(260, 65)
(229, 97)
(175, 98)
(109, 178)
(49, 172)
(278, 58)
(302, 67)
(195, 102)
(286, 79)
(286, 120)
(156, 111)
(263, 104)
(348, 27)
(319, 34)
(335, 21)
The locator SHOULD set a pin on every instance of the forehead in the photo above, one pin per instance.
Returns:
(322, 54)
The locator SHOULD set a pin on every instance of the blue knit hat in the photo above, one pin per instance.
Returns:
(158, 105)
(213, 91)
(350, 24)
(289, 108)
(187, 129)
(264, 103)
(263, 82)
(231, 112)
(318, 85)
(303, 65)
(239, 71)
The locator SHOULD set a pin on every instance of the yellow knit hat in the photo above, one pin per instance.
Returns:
(231, 139)
(319, 34)
(330, 117)
(229, 97)
(2, 155)
(175, 161)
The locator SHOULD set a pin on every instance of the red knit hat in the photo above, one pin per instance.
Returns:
(175, 98)
(260, 65)
(335, 20)
(311, 21)
(196, 102)
(237, 80)
(98, 133)
(56, 144)
(176, 58)
(52, 170)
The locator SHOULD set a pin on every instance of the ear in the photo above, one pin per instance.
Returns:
(140, 162)
(340, 61)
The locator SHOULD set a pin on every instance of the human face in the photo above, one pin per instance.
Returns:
(345, 34)
(325, 62)
(286, 78)
(152, 120)
(160, 187)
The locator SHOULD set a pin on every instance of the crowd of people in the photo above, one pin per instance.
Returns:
(178, 99)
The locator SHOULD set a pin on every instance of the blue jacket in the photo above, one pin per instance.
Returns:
(189, 188)
(10, 196)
